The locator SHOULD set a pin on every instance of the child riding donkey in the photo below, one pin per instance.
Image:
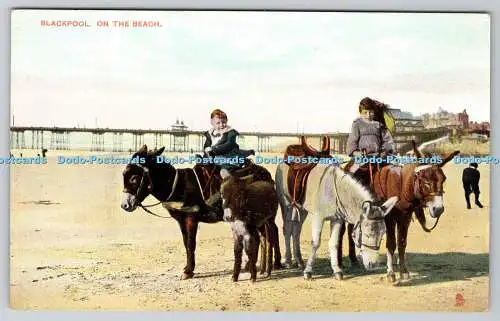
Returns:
(220, 151)
(370, 136)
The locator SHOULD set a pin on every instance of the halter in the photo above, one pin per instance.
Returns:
(423, 198)
(418, 193)
(358, 224)
(145, 173)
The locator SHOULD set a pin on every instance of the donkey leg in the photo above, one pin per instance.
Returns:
(274, 240)
(352, 247)
(297, 229)
(251, 244)
(391, 248)
(263, 249)
(316, 227)
(238, 251)
(403, 226)
(333, 245)
(191, 226)
(339, 251)
(269, 265)
(184, 239)
(287, 234)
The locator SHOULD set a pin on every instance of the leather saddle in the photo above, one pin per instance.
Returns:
(213, 180)
(298, 172)
(365, 172)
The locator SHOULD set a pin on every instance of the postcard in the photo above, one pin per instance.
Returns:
(249, 161)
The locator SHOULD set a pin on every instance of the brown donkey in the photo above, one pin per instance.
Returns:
(251, 207)
(417, 186)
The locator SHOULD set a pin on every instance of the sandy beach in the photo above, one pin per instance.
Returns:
(73, 248)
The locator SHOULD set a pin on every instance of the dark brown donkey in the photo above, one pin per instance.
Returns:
(417, 186)
(178, 189)
(250, 206)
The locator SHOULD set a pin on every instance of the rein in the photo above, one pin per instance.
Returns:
(148, 211)
(435, 224)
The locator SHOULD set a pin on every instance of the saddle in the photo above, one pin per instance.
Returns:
(364, 172)
(298, 172)
(213, 179)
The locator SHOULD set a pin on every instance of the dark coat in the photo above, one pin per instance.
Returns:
(470, 179)
(226, 147)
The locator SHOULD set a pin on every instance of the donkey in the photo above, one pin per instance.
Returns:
(249, 206)
(333, 194)
(417, 186)
(175, 188)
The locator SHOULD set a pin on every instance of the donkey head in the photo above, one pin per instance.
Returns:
(233, 195)
(137, 180)
(370, 230)
(429, 180)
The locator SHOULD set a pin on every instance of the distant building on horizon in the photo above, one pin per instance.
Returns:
(405, 121)
(459, 121)
(443, 118)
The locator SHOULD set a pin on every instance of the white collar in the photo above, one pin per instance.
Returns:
(211, 131)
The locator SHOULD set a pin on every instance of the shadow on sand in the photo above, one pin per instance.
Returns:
(424, 269)
(429, 268)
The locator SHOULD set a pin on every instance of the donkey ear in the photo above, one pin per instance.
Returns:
(448, 158)
(416, 152)
(143, 150)
(224, 173)
(160, 151)
(389, 204)
(367, 206)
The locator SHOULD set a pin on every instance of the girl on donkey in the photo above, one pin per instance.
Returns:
(370, 136)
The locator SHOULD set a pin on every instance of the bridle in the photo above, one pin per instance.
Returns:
(359, 239)
(419, 181)
(423, 198)
(146, 176)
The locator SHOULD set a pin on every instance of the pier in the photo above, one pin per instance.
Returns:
(183, 140)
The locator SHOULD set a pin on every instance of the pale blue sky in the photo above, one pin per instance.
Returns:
(264, 69)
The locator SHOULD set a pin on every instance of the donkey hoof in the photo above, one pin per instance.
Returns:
(391, 277)
(268, 275)
(405, 276)
(278, 266)
(301, 266)
(308, 276)
(234, 279)
(186, 276)
(288, 265)
(339, 276)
